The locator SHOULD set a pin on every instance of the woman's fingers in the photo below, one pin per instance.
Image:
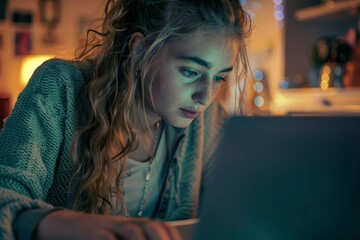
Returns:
(81, 226)
(144, 229)
(172, 231)
(159, 230)
(130, 231)
(102, 234)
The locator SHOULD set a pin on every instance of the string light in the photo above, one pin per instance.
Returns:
(279, 14)
(258, 75)
(251, 7)
(259, 101)
(258, 86)
(325, 77)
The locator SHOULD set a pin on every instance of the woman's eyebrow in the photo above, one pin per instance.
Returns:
(201, 62)
(197, 60)
(229, 69)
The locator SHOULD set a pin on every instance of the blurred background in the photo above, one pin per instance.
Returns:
(304, 55)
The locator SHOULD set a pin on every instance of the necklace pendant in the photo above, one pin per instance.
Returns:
(147, 177)
(140, 213)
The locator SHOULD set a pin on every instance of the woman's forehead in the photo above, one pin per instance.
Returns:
(208, 47)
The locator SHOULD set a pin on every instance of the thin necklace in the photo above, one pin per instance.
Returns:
(147, 175)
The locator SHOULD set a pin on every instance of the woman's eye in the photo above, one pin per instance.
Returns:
(188, 73)
(218, 78)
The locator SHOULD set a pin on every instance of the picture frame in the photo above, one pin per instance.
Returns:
(23, 43)
(49, 12)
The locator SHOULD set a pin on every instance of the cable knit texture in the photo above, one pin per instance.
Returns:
(35, 162)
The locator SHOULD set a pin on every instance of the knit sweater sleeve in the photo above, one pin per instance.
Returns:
(29, 147)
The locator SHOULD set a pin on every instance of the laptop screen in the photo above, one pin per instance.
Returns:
(285, 178)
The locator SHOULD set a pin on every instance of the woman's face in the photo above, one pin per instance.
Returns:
(191, 75)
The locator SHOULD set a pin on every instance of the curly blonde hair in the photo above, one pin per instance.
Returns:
(117, 83)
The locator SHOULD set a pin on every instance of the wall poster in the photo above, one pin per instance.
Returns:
(23, 43)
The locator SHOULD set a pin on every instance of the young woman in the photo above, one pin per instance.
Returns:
(96, 148)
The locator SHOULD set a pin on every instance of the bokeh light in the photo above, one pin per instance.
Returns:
(259, 101)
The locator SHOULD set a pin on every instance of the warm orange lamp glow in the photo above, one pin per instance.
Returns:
(29, 64)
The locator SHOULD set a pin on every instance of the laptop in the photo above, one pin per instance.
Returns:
(284, 178)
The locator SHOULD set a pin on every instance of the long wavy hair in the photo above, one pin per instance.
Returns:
(118, 81)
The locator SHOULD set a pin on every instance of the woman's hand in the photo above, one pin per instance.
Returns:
(74, 225)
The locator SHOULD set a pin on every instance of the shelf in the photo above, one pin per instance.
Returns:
(314, 100)
(328, 9)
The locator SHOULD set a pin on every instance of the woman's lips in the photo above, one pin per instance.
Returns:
(189, 113)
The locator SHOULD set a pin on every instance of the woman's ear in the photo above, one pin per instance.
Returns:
(136, 43)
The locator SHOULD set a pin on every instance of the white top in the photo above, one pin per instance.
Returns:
(134, 182)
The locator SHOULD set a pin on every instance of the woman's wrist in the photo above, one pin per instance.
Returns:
(26, 222)
(48, 226)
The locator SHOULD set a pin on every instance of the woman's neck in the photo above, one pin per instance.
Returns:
(148, 142)
(147, 120)
(148, 127)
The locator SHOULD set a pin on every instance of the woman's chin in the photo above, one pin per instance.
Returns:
(181, 123)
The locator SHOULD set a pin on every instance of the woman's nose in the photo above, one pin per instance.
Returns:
(203, 91)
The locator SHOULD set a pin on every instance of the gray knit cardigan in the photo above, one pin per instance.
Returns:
(36, 166)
